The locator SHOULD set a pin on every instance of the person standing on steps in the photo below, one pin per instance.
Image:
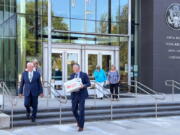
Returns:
(113, 80)
(78, 98)
(100, 79)
(31, 88)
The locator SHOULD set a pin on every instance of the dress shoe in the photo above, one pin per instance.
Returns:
(80, 129)
(33, 119)
(28, 115)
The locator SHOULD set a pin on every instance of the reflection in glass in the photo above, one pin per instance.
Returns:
(90, 8)
(102, 27)
(123, 59)
(72, 58)
(57, 69)
(106, 62)
(100, 40)
(102, 10)
(61, 8)
(1, 59)
(77, 25)
(92, 62)
(115, 10)
(77, 9)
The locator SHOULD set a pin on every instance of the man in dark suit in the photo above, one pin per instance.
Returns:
(78, 98)
(31, 88)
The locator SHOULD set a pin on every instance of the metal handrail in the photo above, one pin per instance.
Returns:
(51, 90)
(107, 96)
(140, 86)
(174, 84)
(11, 98)
(58, 98)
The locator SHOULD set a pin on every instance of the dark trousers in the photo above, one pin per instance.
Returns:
(31, 101)
(78, 107)
(114, 90)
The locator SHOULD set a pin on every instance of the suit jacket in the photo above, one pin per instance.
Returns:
(82, 93)
(34, 87)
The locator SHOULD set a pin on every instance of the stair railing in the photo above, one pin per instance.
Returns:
(174, 86)
(109, 96)
(138, 87)
(12, 100)
(147, 90)
(62, 99)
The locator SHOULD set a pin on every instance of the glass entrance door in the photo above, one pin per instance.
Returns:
(62, 61)
(102, 58)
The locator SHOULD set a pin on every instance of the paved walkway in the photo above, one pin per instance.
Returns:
(148, 126)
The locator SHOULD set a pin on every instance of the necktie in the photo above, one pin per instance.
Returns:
(76, 75)
(30, 76)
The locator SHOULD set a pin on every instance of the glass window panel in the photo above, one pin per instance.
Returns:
(1, 59)
(61, 8)
(102, 27)
(123, 3)
(123, 11)
(115, 27)
(100, 40)
(57, 66)
(6, 10)
(60, 38)
(44, 7)
(57, 70)
(77, 25)
(12, 61)
(102, 10)
(1, 18)
(77, 9)
(30, 6)
(106, 62)
(123, 28)
(60, 23)
(6, 59)
(78, 39)
(90, 9)
(123, 60)
(89, 26)
(12, 28)
(90, 39)
(72, 58)
(115, 10)
(115, 41)
(92, 62)
(82, 26)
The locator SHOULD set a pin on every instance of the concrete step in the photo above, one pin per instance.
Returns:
(97, 107)
(95, 118)
(100, 112)
(42, 115)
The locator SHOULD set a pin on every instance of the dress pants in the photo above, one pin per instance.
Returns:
(78, 108)
(99, 91)
(114, 90)
(31, 101)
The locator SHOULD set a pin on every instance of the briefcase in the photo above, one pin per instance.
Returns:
(73, 85)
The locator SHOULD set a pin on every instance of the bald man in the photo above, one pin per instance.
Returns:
(31, 88)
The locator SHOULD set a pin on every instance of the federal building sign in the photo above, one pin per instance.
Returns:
(173, 16)
(161, 34)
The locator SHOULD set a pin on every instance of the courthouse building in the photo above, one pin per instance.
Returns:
(140, 37)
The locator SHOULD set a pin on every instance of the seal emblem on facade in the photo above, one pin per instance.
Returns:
(173, 16)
